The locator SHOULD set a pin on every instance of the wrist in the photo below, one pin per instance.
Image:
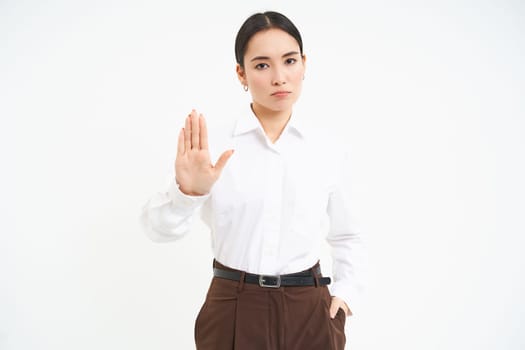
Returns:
(189, 192)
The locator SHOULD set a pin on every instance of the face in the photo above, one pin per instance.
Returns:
(273, 70)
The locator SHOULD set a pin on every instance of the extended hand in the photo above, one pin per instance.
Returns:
(336, 304)
(194, 172)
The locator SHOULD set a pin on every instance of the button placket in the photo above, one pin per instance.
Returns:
(272, 211)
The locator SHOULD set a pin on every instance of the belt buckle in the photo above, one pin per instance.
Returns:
(262, 281)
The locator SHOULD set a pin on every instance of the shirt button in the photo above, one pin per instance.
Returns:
(270, 250)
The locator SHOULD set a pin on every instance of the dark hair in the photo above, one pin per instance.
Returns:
(259, 22)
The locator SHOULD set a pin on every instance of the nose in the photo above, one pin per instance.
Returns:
(278, 77)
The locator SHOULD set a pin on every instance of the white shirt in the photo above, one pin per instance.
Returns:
(272, 205)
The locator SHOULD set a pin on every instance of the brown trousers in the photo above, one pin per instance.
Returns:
(243, 316)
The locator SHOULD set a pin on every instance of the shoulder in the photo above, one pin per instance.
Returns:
(322, 128)
(327, 141)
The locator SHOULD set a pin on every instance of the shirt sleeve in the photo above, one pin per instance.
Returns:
(345, 240)
(168, 215)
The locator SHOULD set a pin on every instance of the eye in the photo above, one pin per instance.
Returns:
(261, 66)
(290, 60)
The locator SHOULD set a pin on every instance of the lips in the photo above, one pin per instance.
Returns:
(281, 93)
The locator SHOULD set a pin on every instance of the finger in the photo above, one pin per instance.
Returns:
(180, 145)
(334, 306)
(204, 132)
(195, 144)
(222, 160)
(187, 134)
(347, 310)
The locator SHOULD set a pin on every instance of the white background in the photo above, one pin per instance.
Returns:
(430, 98)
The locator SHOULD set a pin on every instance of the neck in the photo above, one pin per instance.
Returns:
(273, 122)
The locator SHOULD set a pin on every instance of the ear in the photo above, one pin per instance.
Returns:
(304, 61)
(241, 74)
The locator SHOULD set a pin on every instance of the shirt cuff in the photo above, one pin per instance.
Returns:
(182, 200)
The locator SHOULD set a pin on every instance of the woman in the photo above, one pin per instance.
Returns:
(265, 206)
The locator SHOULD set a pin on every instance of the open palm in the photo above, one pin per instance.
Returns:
(194, 171)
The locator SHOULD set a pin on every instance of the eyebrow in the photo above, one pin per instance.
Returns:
(291, 53)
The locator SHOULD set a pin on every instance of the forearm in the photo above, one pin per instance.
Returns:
(348, 254)
(168, 215)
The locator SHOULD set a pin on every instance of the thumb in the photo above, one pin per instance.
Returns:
(222, 160)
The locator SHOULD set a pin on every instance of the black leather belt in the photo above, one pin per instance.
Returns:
(303, 278)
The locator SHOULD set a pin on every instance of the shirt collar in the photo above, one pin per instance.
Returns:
(248, 122)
